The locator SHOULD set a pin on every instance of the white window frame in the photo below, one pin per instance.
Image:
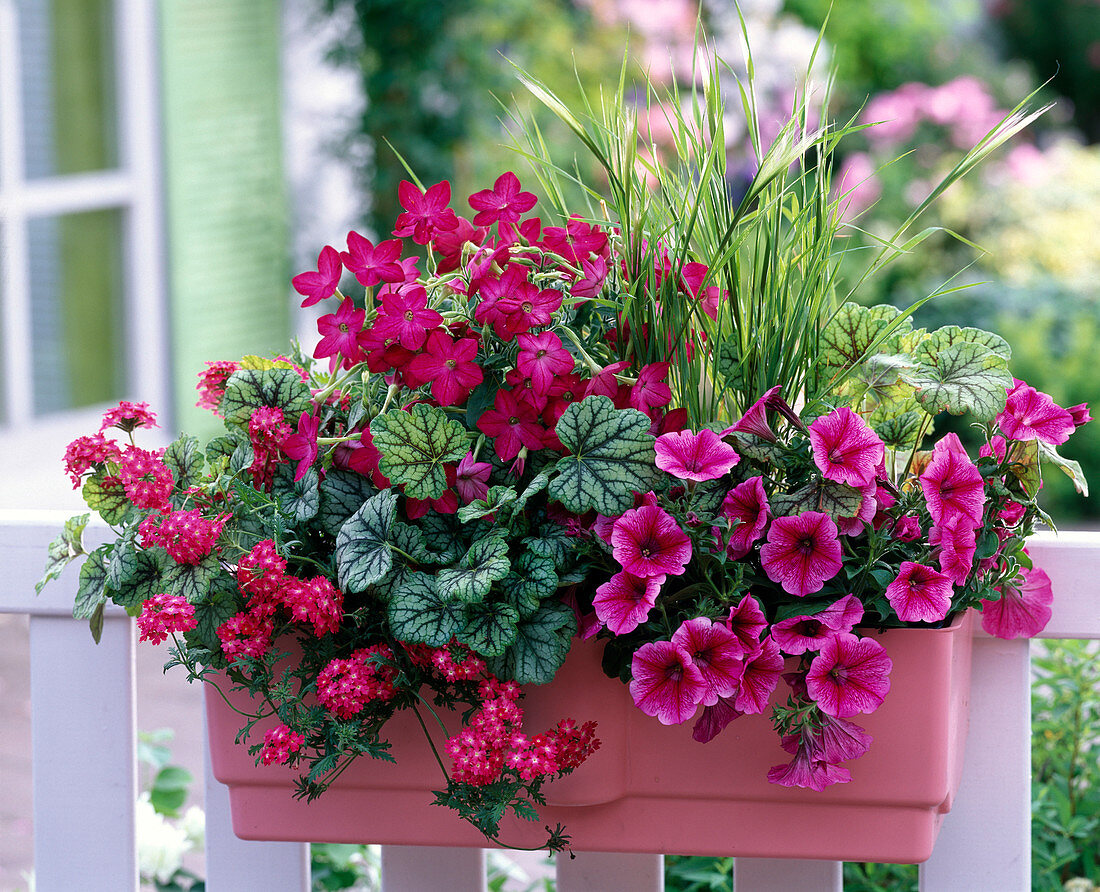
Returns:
(133, 188)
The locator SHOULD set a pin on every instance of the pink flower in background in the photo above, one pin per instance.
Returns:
(760, 678)
(845, 448)
(665, 683)
(850, 675)
(426, 213)
(802, 552)
(316, 286)
(746, 503)
(372, 263)
(211, 384)
(716, 651)
(1030, 414)
(952, 484)
(857, 185)
(698, 457)
(1023, 610)
(895, 115)
(919, 593)
(647, 541)
(624, 601)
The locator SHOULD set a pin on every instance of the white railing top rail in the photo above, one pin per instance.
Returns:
(84, 807)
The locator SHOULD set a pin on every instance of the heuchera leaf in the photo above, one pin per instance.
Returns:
(944, 337)
(342, 494)
(540, 648)
(441, 540)
(418, 614)
(496, 500)
(850, 334)
(192, 580)
(222, 601)
(553, 541)
(133, 575)
(108, 500)
(961, 377)
(249, 389)
(90, 589)
(899, 432)
(184, 458)
(835, 499)
(415, 445)
(62, 550)
(488, 628)
(532, 580)
(298, 499)
(612, 457)
(481, 566)
(1025, 467)
(363, 553)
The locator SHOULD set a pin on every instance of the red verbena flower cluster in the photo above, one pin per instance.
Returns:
(347, 687)
(164, 614)
(279, 745)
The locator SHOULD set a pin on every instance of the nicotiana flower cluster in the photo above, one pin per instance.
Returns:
(474, 467)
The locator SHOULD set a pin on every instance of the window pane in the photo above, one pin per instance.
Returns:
(69, 103)
(76, 310)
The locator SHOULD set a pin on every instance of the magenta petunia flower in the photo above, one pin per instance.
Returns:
(919, 593)
(831, 740)
(1079, 414)
(802, 552)
(798, 634)
(624, 601)
(755, 419)
(845, 448)
(665, 682)
(647, 541)
(957, 540)
(746, 620)
(760, 678)
(372, 263)
(1023, 610)
(426, 213)
(698, 457)
(316, 286)
(449, 365)
(503, 203)
(1030, 414)
(717, 653)
(542, 358)
(809, 771)
(302, 445)
(868, 508)
(713, 719)
(746, 503)
(952, 484)
(850, 675)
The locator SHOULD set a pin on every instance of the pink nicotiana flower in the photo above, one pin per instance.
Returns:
(802, 552)
(542, 358)
(513, 425)
(651, 391)
(426, 213)
(849, 675)
(698, 457)
(845, 448)
(806, 770)
(449, 365)
(717, 653)
(316, 286)
(302, 445)
(405, 316)
(529, 308)
(713, 719)
(504, 203)
(665, 683)
(760, 678)
(372, 263)
(624, 601)
(340, 333)
(747, 504)
(1023, 610)
(1030, 414)
(746, 620)
(647, 541)
(919, 593)
(952, 483)
(798, 634)
(472, 478)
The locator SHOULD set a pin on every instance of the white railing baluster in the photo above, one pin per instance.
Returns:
(85, 762)
(421, 868)
(786, 875)
(610, 872)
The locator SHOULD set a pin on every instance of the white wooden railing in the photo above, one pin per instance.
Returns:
(85, 776)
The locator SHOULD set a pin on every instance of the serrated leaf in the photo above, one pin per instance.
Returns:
(418, 614)
(107, 499)
(900, 432)
(193, 581)
(133, 575)
(854, 333)
(415, 446)
(481, 566)
(440, 538)
(62, 550)
(496, 499)
(553, 541)
(835, 499)
(488, 628)
(249, 389)
(944, 337)
(1068, 466)
(184, 459)
(757, 448)
(532, 580)
(222, 602)
(362, 546)
(730, 365)
(342, 494)
(612, 457)
(962, 377)
(541, 645)
(91, 585)
(298, 499)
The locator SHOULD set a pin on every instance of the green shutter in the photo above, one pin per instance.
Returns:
(226, 196)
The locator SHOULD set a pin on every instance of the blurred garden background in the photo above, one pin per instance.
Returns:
(162, 177)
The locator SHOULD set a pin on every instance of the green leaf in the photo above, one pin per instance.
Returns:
(418, 614)
(944, 337)
(485, 563)
(541, 645)
(62, 550)
(440, 538)
(229, 454)
(250, 389)
(169, 790)
(222, 602)
(415, 446)
(553, 541)
(496, 499)
(342, 494)
(298, 499)
(133, 575)
(363, 553)
(193, 581)
(532, 580)
(899, 432)
(612, 457)
(835, 499)
(91, 585)
(488, 628)
(850, 335)
(1068, 466)
(184, 458)
(107, 499)
(962, 377)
